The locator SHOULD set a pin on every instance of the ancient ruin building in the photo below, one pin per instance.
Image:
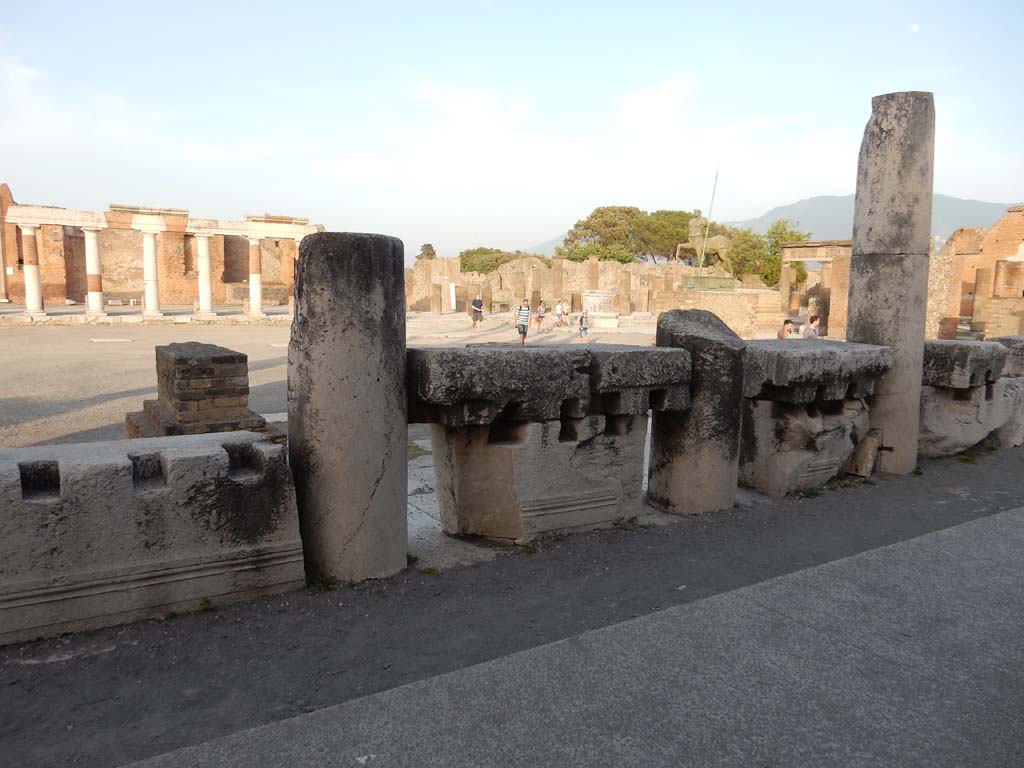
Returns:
(50, 254)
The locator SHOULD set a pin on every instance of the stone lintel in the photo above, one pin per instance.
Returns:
(954, 364)
(806, 370)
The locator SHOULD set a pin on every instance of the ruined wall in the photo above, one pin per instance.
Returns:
(74, 264)
(9, 250)
(948, 285)
(121, 260)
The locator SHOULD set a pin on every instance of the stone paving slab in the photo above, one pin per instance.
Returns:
(901, 656)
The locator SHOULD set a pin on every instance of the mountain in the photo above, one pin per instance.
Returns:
(547, 248)
(830, 217)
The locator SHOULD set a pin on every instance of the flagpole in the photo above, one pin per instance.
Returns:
(707, 229)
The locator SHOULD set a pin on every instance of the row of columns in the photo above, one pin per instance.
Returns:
(150, 274)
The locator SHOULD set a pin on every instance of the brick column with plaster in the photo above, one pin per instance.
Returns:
(255, 279)
(93, 274)
(205, 276)
(150, 276)
(33, 280)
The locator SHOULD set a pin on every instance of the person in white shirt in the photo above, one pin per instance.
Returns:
(559, 312)
(523, 320)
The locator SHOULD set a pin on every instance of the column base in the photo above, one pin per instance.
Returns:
(256, 315)
(204, 315)
(95, 313)
(153, 315)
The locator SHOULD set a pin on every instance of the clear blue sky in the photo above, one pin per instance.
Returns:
(483, 123)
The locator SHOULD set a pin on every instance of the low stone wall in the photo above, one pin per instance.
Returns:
(99, 534)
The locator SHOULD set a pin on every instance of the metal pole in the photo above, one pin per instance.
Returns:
(707, 229)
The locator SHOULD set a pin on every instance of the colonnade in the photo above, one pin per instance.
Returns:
(150, 273)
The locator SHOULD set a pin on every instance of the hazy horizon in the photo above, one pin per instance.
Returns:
(478, 125)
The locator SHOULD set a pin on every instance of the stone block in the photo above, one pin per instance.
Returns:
(695, 453)
(805, 371)
(514, 482)
(1014, 364)
(865, 457)
(631, 380)
(1011, 433)
(961, 364)
(795, 447)
(100, 534)
(953, 420)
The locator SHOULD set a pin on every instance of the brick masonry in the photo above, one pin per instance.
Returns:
(200, 388)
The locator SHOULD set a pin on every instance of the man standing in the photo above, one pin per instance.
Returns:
(478, 312)
(786, 330)
(523, 320)
(559, 312)
(811, 329)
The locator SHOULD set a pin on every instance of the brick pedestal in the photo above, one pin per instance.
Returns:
(200, 388)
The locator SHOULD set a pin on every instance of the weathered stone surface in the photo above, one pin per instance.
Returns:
(794, 447)
(99, 534)
(961, 364)
(794, 371)
(953, 420)
(1014, 365)
(347, 405)
(515, 481)
(889, 263)
(477, 385)
(865, 456)
(695, 453)
(1011, 433)
(893, 205)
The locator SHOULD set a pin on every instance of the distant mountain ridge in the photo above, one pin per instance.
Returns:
(830, 217)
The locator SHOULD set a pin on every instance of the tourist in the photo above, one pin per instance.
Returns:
(787, 329)
(811, 329)
(559, 314)
(542, 312)
(584, 325)
(523, 320)
(478, 312)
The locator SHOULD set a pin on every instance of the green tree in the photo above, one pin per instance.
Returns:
(781, 231)
(611, 226)
(661, 231)
(426, 252)
(489, 259)
(602, 252)
(747, 253)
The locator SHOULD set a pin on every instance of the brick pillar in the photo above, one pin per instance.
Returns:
(33, 280)
(93, 274)
(255, 279)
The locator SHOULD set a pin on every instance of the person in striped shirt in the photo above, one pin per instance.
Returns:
(523, 320)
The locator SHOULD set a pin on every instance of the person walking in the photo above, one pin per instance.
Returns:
(811, 329)
(478, 312)
(523, 320)
(559, 314)
(786, 330)
(584, 325)
(542, 312)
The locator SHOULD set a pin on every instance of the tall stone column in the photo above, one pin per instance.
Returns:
(889, 266)
(150, 276)
(205, 275)
(785, 279)
(93, 274)
(347, 430)
(33, 280)
(695, 454)
(594, 273)
(255, 279)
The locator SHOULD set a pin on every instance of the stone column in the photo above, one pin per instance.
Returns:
(557, 278)
(594, 273)
(33, 280)
(347, 431)
(785, 278)
(150, 276)
(205, 275)
(255, 279)
(889, 266)
(93, 274)
(695, 453)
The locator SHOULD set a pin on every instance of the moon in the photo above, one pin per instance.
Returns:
(915, 27)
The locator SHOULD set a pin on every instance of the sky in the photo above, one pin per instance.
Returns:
(481, 123)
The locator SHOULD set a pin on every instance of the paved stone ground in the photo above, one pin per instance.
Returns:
(908, 655)
(110, 697)
(62, 384)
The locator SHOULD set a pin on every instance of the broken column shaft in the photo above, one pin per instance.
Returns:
(347, 430)
(889, 265)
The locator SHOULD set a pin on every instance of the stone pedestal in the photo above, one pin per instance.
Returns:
(695, 454)
(600, 306)
(200, 388)
(889, 263)
(347, 405)
(541, 439)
